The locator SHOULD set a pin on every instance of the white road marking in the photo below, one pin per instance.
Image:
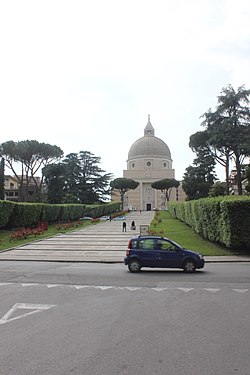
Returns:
(241, 290)
(23, 306)
(129, 288)
(80, 286)
(104, 287)
(52, 285)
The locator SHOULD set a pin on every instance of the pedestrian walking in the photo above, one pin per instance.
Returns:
(124, 226)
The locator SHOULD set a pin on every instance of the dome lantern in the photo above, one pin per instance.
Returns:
(149, 130)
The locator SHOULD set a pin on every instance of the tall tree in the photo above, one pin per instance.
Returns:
(229, 128)
(204, 142)
(217, 189)
(2, 195)
(32, 156)
(72, 168)
(123, 185)
(199, 178)
(85, 181)
(54, 178)
(165, 186)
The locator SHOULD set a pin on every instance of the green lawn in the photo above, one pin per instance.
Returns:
(185, 236)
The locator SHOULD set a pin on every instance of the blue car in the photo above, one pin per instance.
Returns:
(154, 251)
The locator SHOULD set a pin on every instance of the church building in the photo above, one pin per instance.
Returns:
(149, 160)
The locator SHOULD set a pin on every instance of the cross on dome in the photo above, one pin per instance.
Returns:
(149, 130)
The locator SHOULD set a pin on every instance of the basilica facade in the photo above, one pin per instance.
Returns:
(149, 160)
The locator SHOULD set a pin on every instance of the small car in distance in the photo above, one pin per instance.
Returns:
(160, 252)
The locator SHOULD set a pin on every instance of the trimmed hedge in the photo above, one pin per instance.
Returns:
(235, 221)
(101, 209)
(221, 219)
(15, 214)
(25, 214)
(50, 213)
(6, 209)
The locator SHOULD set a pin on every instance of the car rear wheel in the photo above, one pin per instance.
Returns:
(134, 266)
(189, 266)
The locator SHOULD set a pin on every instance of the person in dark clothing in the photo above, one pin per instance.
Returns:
(124, 226)
(133, 226)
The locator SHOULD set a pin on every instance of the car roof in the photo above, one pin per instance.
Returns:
(152, 237)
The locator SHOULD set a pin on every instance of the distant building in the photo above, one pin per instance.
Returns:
(149, 160)
(13, 191)
(11, 188)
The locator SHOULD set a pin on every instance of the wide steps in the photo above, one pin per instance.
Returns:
(102, 242)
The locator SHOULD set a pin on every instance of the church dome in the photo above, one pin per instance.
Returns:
(149, 146)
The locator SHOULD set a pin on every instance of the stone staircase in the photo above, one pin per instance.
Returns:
(102, 242)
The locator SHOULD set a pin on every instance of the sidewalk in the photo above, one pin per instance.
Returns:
(101, 243)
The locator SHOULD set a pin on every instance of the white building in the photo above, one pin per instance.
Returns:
(149, 160)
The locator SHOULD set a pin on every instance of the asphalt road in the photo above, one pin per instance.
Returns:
(99, 319)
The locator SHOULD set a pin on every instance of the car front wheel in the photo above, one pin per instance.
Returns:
(134, 266)
(189, 266)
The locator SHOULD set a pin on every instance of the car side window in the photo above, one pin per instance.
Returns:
(133, 244)
(146, 244)
(165, 245)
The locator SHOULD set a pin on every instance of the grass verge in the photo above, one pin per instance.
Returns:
(170, 227)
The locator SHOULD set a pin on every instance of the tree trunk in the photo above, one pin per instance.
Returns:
(238, 173)
(122, 199)
(227, 173)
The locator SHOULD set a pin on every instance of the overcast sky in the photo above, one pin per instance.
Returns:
(84, 75)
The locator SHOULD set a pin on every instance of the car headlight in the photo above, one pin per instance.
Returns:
(200, 256)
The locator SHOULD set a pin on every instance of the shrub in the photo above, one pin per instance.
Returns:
(220, 219)
(25, 214)
(6, 209)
